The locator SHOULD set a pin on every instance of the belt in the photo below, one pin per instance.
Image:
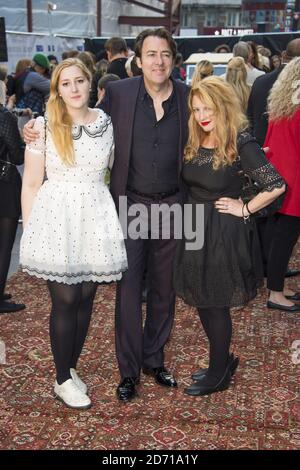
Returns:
(155, 196)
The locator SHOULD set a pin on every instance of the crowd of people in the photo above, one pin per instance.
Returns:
(165, 145)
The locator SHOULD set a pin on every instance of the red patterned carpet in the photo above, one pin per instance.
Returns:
(260, 410)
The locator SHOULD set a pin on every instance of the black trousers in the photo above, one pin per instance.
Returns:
(138, 346)
(284, 231)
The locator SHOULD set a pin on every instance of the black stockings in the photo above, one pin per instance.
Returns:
(69, 323)
(8, 229)
(218, 328)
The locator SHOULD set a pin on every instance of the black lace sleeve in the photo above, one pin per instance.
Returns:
(255, 164)
(12, 138)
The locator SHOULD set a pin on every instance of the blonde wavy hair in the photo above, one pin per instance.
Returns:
(59, 120)
(236, 75)
(284, 98)
(218, 95)
(203, 69)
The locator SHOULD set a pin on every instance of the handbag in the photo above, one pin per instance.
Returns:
(250, 189)
(8, 172)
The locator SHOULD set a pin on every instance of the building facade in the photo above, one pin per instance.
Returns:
(215, 16)
(209, 16)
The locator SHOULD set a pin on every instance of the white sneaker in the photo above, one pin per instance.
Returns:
(71, 396)
(77, 381)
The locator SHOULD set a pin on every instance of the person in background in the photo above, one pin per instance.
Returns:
(203, 69)
(53, 62)
(243, 49)
(284, 153)
(178, 72)
(117, 54)
(275, 62)
(128, 66)
(132, 68)
(223, 49)
(11, 154)
(135, 69)
(258, 120)
(13, 79)
(102, 84)
(254, 58)
(236, 75)
(88, 61)
(72, 53)
(35, 85)
(100, 70)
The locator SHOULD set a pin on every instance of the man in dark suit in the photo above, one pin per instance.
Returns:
(149, 115)
(258, 118)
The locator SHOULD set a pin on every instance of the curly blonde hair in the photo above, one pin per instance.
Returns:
(218, 95)
(284, 99)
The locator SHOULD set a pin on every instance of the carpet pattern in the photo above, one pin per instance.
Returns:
(260, 410)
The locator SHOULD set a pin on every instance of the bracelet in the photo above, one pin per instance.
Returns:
(250, 213)
(245, 217)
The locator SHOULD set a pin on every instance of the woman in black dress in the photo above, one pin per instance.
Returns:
(226, 271)
(12, 151)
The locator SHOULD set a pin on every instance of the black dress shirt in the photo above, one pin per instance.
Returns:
(154, 152)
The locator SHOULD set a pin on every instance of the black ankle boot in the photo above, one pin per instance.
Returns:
(202, 386)
(233, 364)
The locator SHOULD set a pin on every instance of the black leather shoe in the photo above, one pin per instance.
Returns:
(233, 362)
(292, 272)
(161, 375)
(10, 307)
(126, 389)
(6, 297)
(284, 308)
(198, 388)
(295, 296)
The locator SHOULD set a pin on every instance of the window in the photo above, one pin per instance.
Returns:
(234, 18)
(231, 18)
(211, 18)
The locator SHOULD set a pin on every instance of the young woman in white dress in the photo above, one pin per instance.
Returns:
(72, 236)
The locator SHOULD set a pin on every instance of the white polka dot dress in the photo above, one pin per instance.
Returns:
(73, 232)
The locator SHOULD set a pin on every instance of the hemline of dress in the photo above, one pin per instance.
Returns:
(91, 277)
(231, 305)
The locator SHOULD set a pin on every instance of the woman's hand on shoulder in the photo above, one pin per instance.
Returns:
(29, 133)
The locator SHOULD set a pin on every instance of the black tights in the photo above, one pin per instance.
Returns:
(69, 323)
(218, 328)
(8, 229)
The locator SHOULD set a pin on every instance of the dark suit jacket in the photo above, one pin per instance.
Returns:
(257, 104)
(120, 103)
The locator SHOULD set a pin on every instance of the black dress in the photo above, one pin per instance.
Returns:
(11, 149)
(227, 270)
